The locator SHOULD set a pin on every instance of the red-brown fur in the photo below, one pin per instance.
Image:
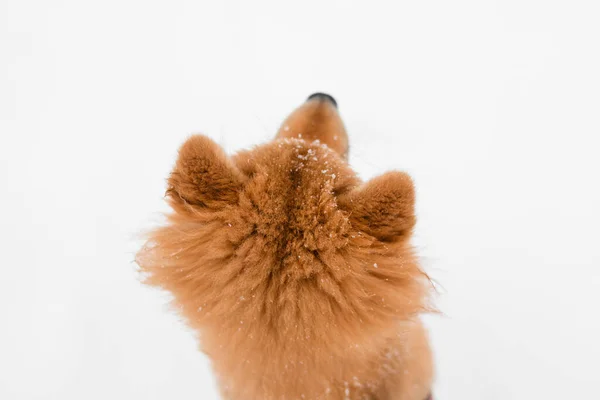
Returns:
(299, 278)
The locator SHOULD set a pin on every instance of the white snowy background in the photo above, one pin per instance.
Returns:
(492, 106)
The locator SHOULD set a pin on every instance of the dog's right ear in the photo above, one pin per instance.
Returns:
(383, 207)
(204, 175)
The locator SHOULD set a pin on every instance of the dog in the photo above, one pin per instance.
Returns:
(299, 279)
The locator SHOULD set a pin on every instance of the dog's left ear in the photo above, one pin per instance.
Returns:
(204, 175)
(383, 207)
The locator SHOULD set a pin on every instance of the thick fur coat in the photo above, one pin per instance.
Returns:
(299, 278)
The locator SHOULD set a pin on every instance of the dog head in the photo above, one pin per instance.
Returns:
(286, 240)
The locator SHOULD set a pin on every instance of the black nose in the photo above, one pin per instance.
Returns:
(322, 97)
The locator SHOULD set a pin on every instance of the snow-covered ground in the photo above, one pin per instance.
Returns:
(492, 106)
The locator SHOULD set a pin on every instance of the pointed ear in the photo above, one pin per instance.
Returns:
(204, 175)
(382, 207)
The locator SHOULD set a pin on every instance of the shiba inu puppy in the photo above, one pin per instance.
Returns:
(299, 278)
